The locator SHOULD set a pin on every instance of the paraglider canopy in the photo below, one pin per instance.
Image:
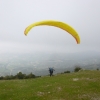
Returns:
(58, 24)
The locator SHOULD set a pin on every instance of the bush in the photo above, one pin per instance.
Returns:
(77, 68)
(67, 72)
(1, 78)
(97, 68)
(19, 75)
(31, 75)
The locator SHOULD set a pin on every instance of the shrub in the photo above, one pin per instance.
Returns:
(97, 68)
(67, 72)
(77, 68)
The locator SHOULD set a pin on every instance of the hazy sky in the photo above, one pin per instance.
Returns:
(16, 15)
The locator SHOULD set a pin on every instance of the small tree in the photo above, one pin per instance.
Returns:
(31, 75)
(6, 77)
(1, 77)
(20, 75)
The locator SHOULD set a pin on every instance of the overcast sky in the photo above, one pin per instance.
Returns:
(16, 15)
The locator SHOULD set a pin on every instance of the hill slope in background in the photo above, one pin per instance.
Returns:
(38, 63)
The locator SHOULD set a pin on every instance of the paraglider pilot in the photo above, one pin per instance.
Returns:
(51, 71)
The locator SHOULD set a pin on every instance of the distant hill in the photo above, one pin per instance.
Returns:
(38, 63)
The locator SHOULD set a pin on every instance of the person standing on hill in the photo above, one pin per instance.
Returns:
(51, 71)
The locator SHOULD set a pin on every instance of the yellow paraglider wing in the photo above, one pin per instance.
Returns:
(59, 24)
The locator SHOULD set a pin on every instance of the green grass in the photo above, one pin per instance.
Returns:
(83, 85)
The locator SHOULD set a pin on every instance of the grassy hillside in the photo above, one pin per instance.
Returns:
(83, 85)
